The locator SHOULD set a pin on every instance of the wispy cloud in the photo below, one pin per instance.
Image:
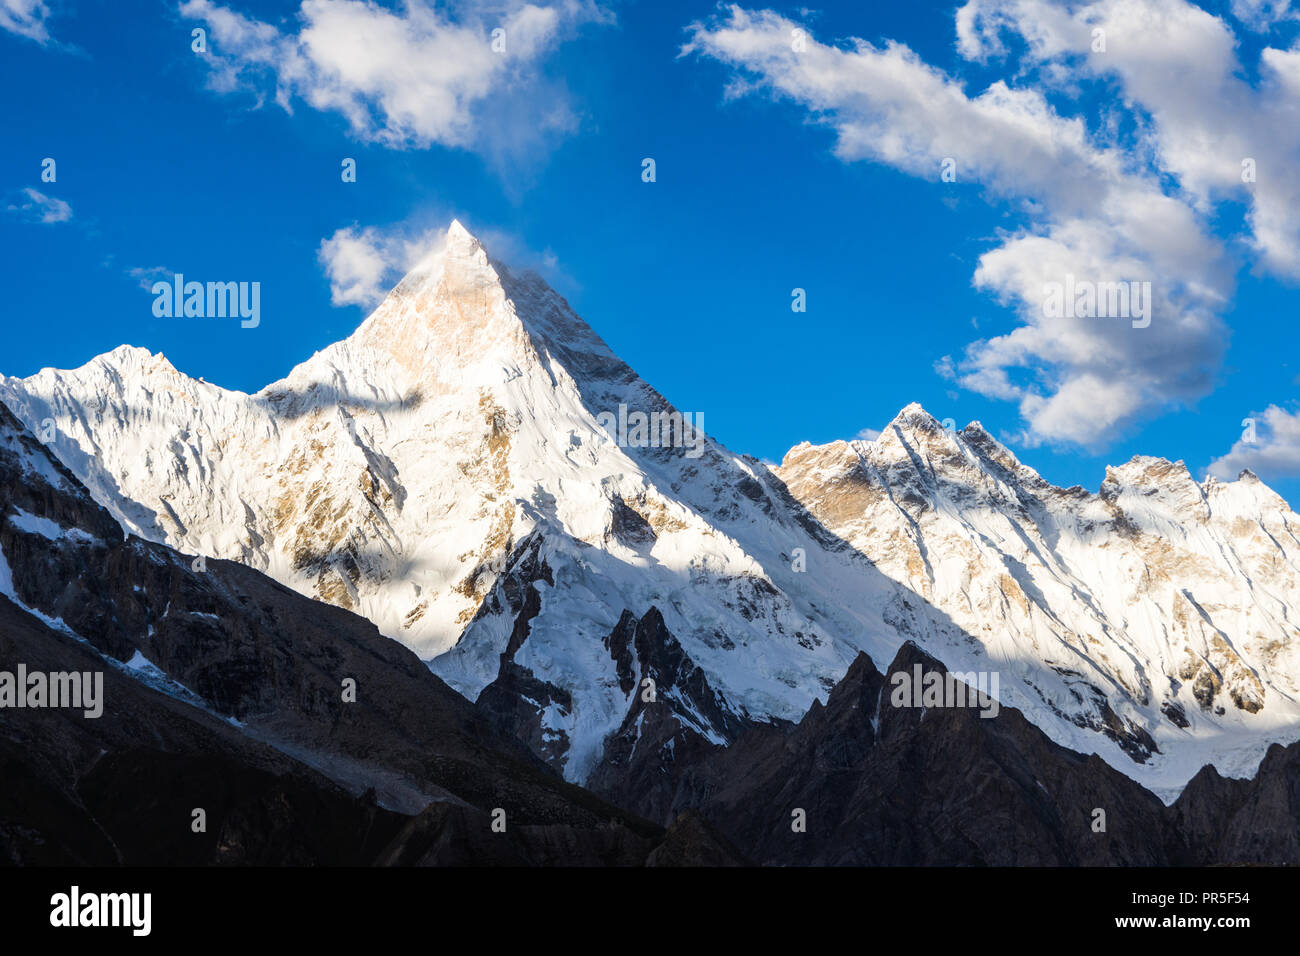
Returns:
(35, 206)
(147, 276)
(1179, 64)
(1262, 15)
(407, 79)
(27, 18)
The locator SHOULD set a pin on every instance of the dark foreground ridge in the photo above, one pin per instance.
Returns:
(224, 691)
(227, 693)
(879, 785)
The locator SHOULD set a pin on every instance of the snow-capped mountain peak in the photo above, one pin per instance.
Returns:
(475, 471)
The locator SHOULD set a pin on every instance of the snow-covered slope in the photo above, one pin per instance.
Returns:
(446, 471)
(1158, 597)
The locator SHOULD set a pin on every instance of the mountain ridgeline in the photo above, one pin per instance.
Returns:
(609, 649)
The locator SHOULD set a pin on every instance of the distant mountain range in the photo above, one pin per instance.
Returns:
(701, 640)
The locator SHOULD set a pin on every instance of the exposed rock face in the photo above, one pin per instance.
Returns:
(450, 473)
(1244, 821)
(448, 835)
(672, 715)
(859, 781)
(693, 841)
(873, 784)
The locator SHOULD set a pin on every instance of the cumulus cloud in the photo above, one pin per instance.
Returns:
(26, 18)
(1179, 65)
(35, 206)
(1270, 447)
(1220, 136)
(409, 78)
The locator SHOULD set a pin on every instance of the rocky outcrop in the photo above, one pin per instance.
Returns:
(861, 782)
(671, 717)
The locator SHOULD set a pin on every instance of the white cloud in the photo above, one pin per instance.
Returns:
(362, 265)
(38, 207)
(868, 434)
(25, 18)
(1273, 452)
(406, 79)
(1178, 65)
(1095, 211)
(146, 276)
(1263, 15)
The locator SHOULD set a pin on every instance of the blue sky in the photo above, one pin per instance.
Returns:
(817, 168)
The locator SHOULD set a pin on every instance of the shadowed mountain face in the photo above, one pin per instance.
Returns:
(226, 692)
(123, 788)
(859, 781)
(863, 782)
(306, 737)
